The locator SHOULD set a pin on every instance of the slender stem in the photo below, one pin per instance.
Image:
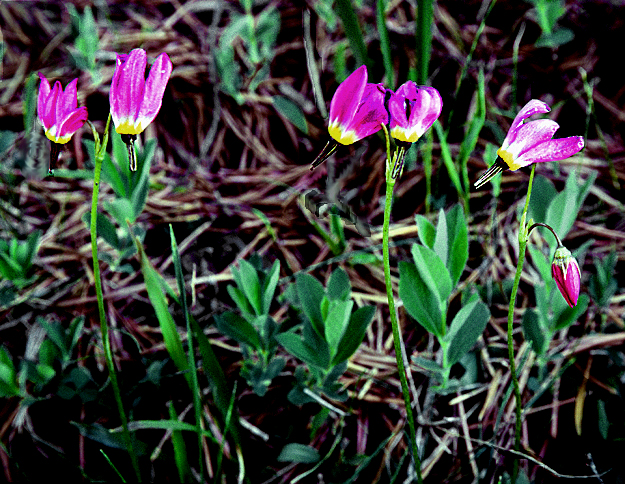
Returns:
(390, 184)
(523, 237)
(99, 158)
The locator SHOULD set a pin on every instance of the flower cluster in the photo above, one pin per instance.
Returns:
(135, 102)
(359, 109)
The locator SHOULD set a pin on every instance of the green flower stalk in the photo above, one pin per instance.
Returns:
(100, 152)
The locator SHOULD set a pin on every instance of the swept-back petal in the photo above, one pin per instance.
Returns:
(154, 89)
(552, 150)
(44, 92)
(73, 121)
(347, 97)
(413, 111)
(532, 133)
(49, 109)
(130, 84)
(532, 107)
(67, 101)
(397, 110)
(426, 109)
(371, 113)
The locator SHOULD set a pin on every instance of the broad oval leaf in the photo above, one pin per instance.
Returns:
(465, 329)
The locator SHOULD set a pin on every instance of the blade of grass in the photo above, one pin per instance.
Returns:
(180, 450)
(427, 168)
(473, 132)
(467, 61)
(385, 44)
(210, 367)
(449, 162)
(172, 340)
(195, 387)
(345, 10)
(425, 15)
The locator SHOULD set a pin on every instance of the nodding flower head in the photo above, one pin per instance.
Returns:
(58, 110)
(531, 142)
(135, 101)
(565, 271)
(357, 108)
(356, 111)
(413, 110)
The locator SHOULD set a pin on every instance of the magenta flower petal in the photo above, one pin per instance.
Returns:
(154, 90)
(357, 108)
(531, 134)
(42, 98)
(552, 150)
(533, 107)
(58, 112)
(67, 102)
(413, 110)
(135, 103)
(370, 114)
(73, 121)
(348, 96)
(566, 273)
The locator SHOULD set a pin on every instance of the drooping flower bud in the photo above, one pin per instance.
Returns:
(566, 273)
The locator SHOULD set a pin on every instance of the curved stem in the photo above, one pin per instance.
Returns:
(399, 353)
(523, 237)
(106, 343)
(540, 224)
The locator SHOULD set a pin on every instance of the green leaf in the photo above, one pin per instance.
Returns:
(336, 323)
(269, 286)
(441, 239)
(422, 303)
(171, 337)
(570, 314)
(310, 293)
(354, 333)
(458, 244)
(543, 192)
(241, 301)
(140, 189)
(565, 206)
(234, 326)
(104, 229)
(339, 287)
(428, 365)
(251, 285)
(121, 209)
(541, 263)
(427, 232)
(433, 272)
(294, 345)
(534, 332)
(299, 453)
(291, 111)
(465, 329)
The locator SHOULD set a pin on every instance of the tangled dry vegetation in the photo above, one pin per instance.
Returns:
(220, 161)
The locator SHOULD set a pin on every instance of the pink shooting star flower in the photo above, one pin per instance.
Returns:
(59, 114)
(566, 273)
(531, 142)
(356, 111)
(413, 110)
(135, 101)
